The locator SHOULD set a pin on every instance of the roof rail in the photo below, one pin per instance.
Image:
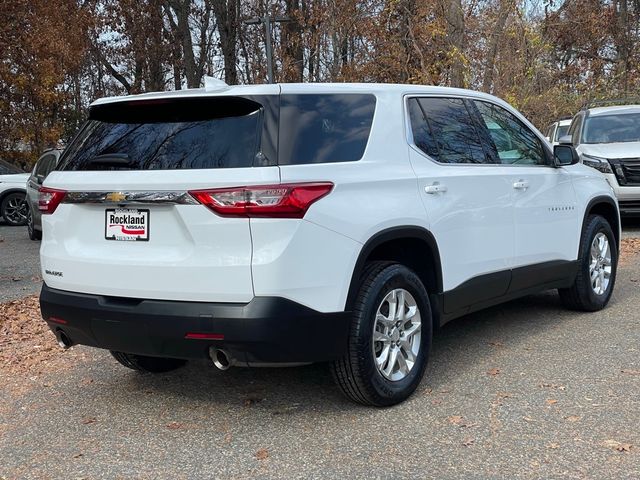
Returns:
(610, 102)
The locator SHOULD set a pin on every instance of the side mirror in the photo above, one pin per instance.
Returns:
(565, 155)
(39, 179)
(566, 140)
(548, 139)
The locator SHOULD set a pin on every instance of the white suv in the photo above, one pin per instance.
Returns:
(608, 139)
(289, 224)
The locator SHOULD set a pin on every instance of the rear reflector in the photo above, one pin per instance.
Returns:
(204, 336)
(49, 199)
(60, 321)
(272, 201)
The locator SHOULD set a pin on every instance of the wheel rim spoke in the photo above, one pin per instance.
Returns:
(600, 266)
(397, 334)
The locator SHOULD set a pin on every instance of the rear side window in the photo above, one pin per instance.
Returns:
(45, 165)
(324, 128)
(452, 134)
(198, 133)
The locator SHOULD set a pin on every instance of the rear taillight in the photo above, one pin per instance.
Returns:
(276, 201)
(49, 199)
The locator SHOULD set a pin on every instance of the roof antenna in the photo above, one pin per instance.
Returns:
(214, 84)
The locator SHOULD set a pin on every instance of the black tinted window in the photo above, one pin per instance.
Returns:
(8, 169)
(198, 133)
(324, 128)
(453, 131)
(515, 143)
(422, 137)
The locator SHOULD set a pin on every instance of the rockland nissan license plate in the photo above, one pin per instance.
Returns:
(126, 224)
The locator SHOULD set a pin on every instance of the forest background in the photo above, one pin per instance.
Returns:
(546, 57)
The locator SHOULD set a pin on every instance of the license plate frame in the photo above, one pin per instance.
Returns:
(131, 235)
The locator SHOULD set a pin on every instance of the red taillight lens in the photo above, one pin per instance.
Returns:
(276, 201)
(49, 199)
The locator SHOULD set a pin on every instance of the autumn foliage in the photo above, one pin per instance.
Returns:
(547, 58)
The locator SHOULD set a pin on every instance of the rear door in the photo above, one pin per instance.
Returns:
(127, 225)
(468, 200)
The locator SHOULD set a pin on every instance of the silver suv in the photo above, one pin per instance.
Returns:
(608, 139)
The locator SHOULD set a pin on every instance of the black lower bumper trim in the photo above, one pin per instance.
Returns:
(265, 330)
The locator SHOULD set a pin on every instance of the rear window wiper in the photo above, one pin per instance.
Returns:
(113, 159)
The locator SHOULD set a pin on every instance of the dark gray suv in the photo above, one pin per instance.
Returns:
(45, 164)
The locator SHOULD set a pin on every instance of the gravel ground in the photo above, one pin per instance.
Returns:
(19, 263)
(524, 390)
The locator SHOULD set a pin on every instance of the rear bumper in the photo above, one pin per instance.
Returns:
(265, 330)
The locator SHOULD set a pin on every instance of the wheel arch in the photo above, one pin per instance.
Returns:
(414, 247)
(608, 208)
(9, 191)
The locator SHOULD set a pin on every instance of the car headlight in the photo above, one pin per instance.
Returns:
(600, 164)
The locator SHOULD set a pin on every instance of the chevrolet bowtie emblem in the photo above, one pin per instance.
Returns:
(115, 197)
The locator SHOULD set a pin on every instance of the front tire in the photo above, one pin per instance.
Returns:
(145, 364)
(389, 339)
(598, 263)
(14, 209)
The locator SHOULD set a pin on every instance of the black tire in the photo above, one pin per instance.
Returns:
(356, 374)
(14, 209)
(581, 296)
(31, 230)
(148, 364)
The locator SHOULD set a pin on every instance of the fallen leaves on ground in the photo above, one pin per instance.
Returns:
(467, 442)
(493, 371)
(262, 454)
(630, 372)
(26, 343)
(619, 446)
(175, 426)
(88, 420)
(629, 247)
(551, 401)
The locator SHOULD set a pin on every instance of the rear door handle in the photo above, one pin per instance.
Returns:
(435, 188)
(521, 185)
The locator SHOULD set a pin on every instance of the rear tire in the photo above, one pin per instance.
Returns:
(145, 364)
(33, 233)
(598, 263)
(365, 374)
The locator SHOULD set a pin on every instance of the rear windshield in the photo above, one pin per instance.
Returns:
(197, 133)
(323, 128)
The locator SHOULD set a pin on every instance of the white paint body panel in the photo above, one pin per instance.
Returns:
(481, 224)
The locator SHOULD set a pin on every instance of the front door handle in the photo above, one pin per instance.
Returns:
(435, 188)
(521, 185)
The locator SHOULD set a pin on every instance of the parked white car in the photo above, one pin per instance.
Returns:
(13, 187)
(557, 130)
(298, 223)
(608, 139)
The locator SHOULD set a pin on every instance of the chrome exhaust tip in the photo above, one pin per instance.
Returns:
(220, 358)
(63, 339)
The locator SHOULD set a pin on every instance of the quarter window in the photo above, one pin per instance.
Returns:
(515, 143)
(444, 129)
(324, 128)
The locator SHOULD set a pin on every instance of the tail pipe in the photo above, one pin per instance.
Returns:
(221, 359)
(63, 339)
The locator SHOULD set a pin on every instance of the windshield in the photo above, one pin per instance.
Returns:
(612, 128)
(561, 131)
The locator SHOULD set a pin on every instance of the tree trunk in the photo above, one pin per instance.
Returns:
(227, 13)
(292, 43)
(454, 16)
(494, 42)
